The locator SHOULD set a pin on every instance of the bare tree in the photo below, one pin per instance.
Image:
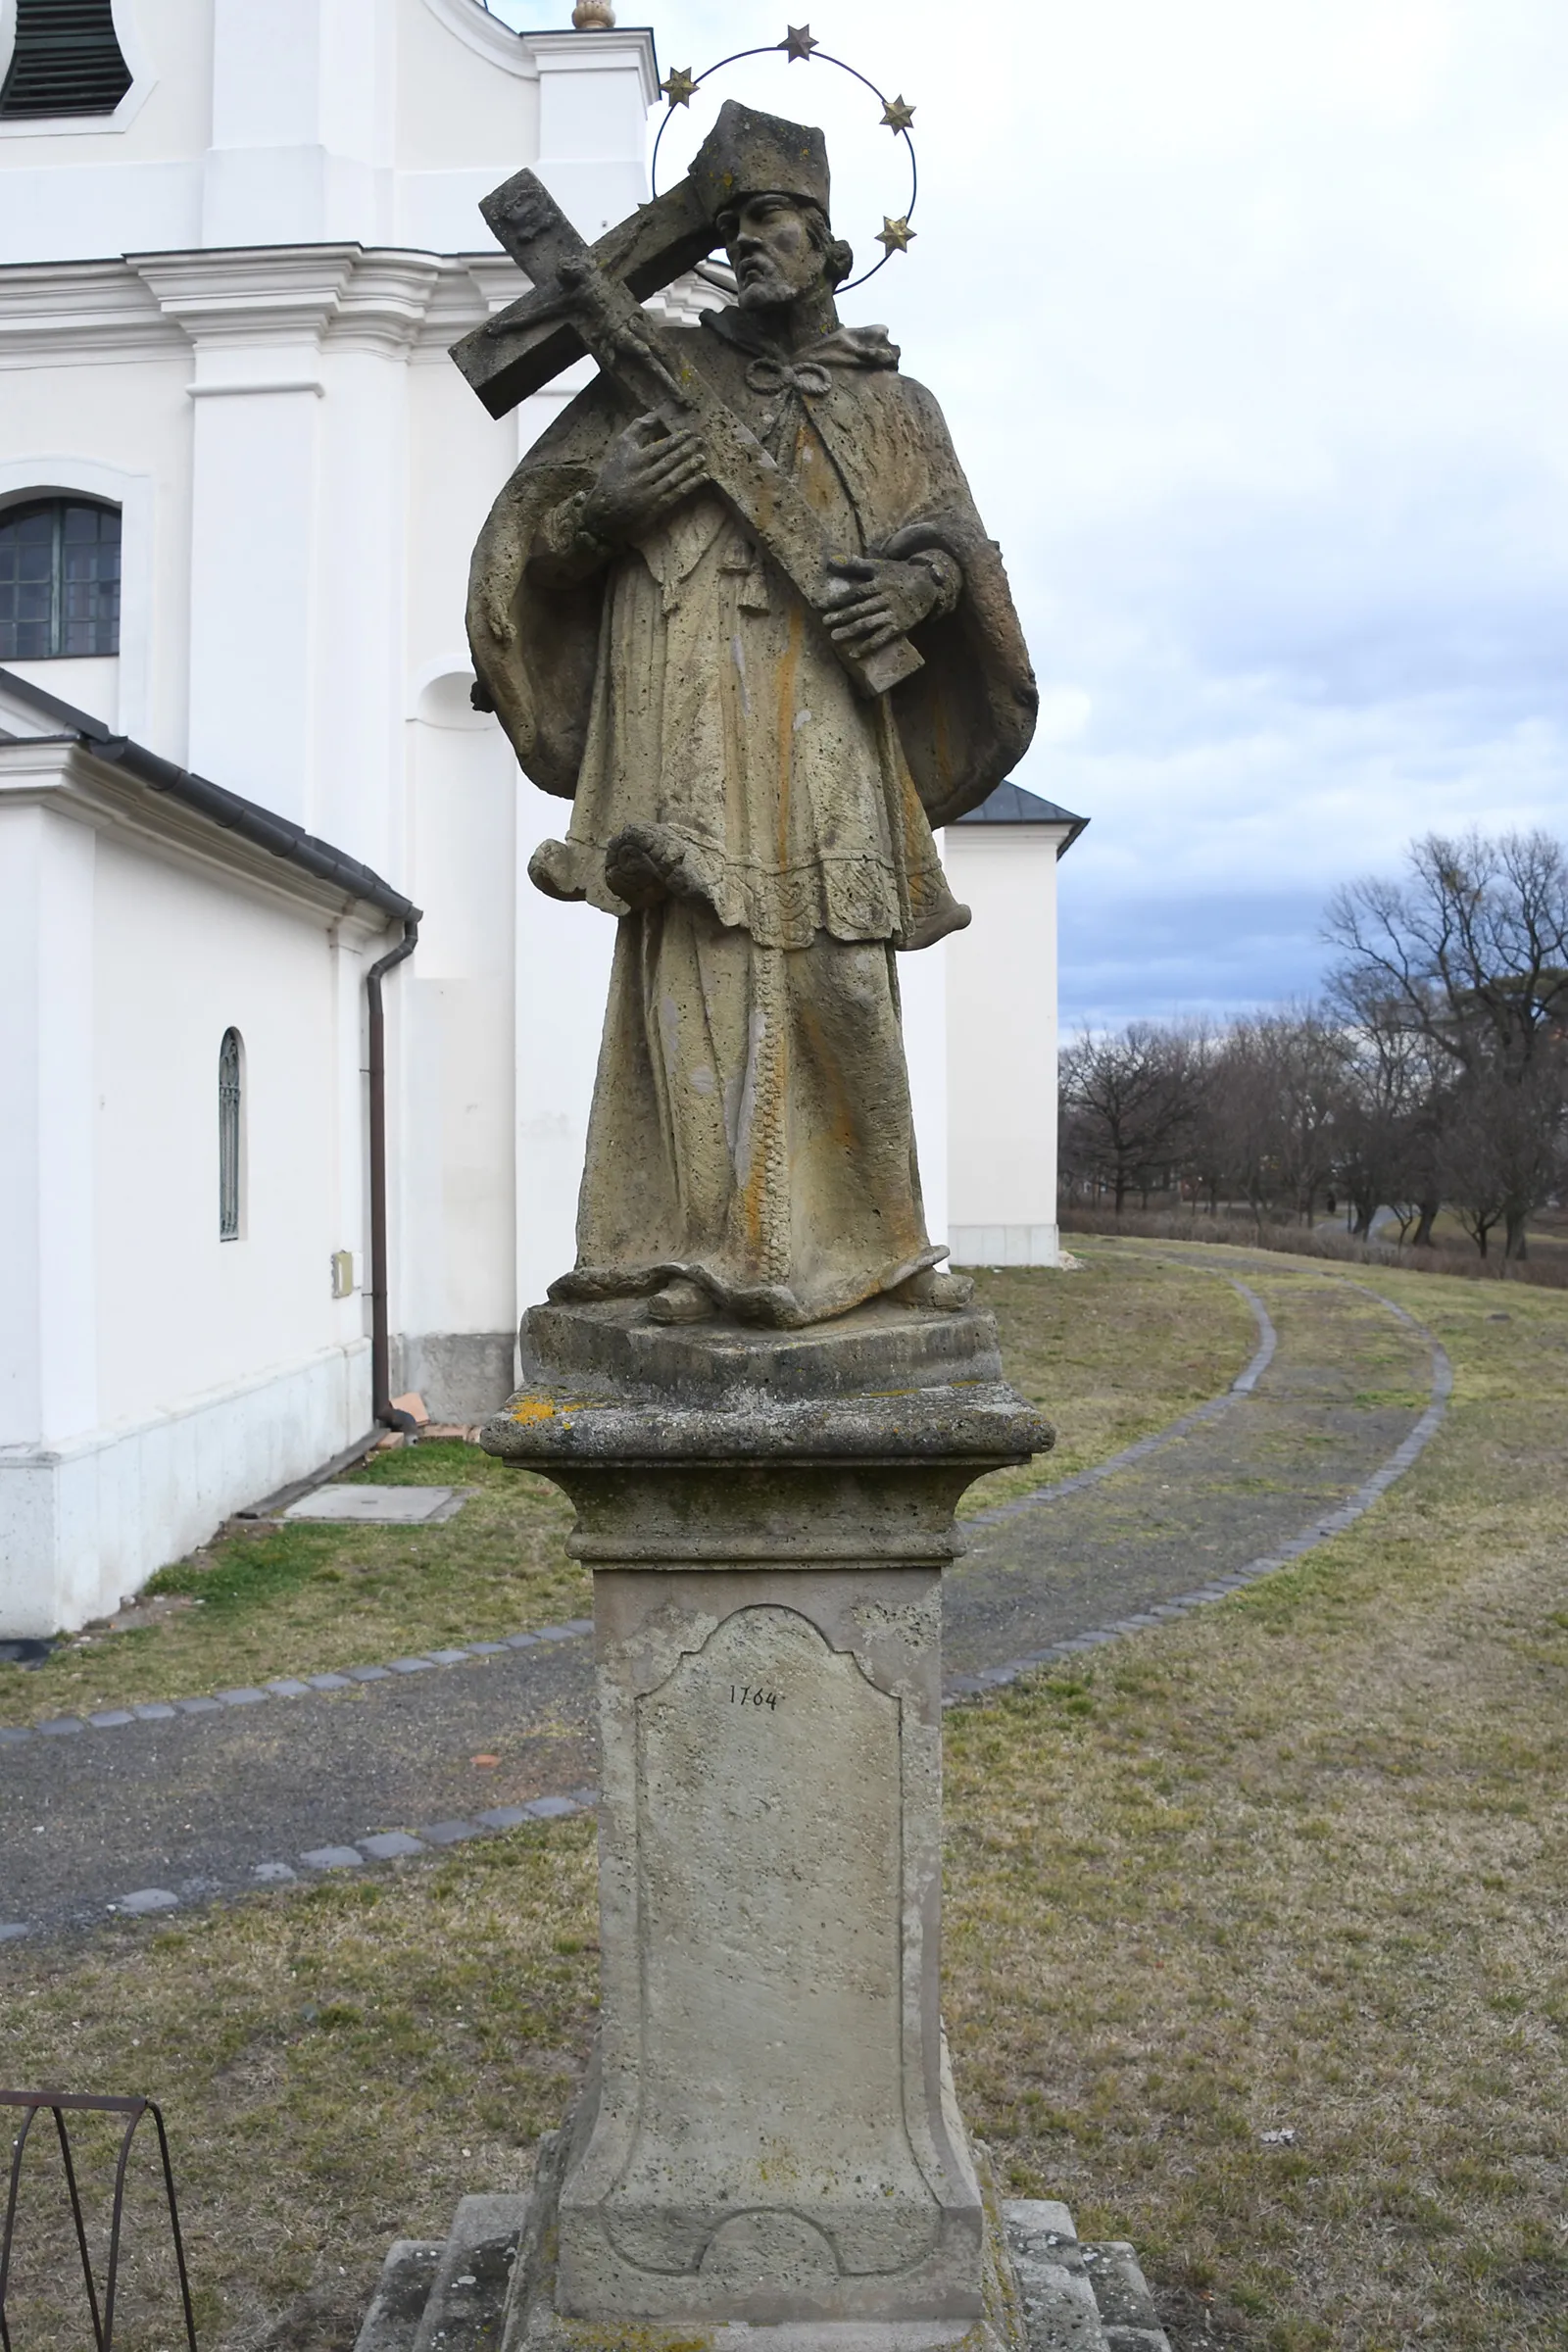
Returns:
(1470, 952)
(1130, 1104)
(1391, 1113)
(1503, 1151)
(1267, 1125)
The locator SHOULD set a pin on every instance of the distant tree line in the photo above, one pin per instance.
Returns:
(1433, 1071)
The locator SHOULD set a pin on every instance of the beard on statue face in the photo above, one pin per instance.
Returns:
(775, 251)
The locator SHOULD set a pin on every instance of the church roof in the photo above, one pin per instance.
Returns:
(230, 810)
(1010, 805)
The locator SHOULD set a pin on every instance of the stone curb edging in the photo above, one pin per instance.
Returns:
(1242, 1385)
(320, 1861)
(286, 1686)
(1333, 1523)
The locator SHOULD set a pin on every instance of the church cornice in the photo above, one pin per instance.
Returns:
(307, 298)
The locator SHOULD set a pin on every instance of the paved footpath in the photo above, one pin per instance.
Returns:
(183, 1807)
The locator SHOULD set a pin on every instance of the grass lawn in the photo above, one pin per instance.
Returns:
(1118, 1349)
(1298, 1864)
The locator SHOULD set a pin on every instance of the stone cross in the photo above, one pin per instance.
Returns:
(587, 299)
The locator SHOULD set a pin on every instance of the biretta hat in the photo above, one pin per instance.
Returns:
(748, 154)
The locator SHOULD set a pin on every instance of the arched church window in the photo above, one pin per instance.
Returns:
(66, 59)
(59, 580)
(230, 1111)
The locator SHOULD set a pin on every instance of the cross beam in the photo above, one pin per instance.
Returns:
(587, 299)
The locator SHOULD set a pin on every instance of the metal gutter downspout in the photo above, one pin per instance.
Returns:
(385, 1411)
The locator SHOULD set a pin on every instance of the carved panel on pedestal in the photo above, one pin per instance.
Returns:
(771, 1904)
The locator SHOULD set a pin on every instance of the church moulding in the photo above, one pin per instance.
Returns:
(388, 300)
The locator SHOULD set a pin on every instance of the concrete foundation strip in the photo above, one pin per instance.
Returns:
(1332, 1523)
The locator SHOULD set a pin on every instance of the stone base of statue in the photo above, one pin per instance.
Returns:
(769, 2149)
(493, 2279)
(771, 2133)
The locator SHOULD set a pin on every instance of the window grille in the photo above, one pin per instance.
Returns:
(66, 61)
(59, 580)
(229, 1136)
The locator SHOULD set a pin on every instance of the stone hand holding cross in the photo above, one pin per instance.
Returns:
(575, 290)
(646, 474)
(876, 600)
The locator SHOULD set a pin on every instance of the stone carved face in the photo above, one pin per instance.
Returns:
(778, 249)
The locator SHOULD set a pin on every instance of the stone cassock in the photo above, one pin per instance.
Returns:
(761, 830)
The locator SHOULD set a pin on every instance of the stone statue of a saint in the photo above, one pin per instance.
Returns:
(761, 829)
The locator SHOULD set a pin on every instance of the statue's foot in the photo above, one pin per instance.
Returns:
(936, 1288)
(680, 1301)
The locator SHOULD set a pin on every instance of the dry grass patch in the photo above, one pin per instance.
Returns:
(338, 2065)
(1300, 1865)
(304, 1597)
(1123, 1346)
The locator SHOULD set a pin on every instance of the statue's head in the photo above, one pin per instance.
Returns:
(764, 182)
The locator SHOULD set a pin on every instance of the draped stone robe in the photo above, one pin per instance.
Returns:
(751, 1125)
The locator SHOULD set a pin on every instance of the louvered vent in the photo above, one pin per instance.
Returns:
(67, 60)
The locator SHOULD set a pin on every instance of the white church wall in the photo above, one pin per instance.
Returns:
(563, 982)
(314, 121)
(467, 115)
(65, 180)
(458, 1299)
(923, 1002)
(154, 1377)
(1001, 1046)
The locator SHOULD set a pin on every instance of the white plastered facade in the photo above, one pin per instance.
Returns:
(227, 310)
(152, 1375)
(1001, 1043)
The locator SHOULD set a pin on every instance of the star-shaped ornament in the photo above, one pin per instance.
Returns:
(896, 114)
(896, 236)
(678, 85)
(798, 42)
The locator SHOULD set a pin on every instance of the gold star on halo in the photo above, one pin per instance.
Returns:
(896, 236)
(798, 42)
(896, 113)
(678, 85)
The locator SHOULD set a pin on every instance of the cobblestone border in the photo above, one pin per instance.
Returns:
(1333, 1523)
(291, 1687)
(286, 1686)
(320, 1861)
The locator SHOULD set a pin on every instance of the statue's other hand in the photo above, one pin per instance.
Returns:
(646, 473)
(876, 599)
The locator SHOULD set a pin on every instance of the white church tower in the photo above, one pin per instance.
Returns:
(239, 483)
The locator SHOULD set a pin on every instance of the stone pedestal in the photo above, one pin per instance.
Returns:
(770, 2136)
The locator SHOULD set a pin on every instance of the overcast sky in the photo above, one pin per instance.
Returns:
(1251, 321)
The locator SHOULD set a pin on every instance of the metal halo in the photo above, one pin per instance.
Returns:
(771, 49)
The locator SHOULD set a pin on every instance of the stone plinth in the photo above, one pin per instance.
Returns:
(770, 2136)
